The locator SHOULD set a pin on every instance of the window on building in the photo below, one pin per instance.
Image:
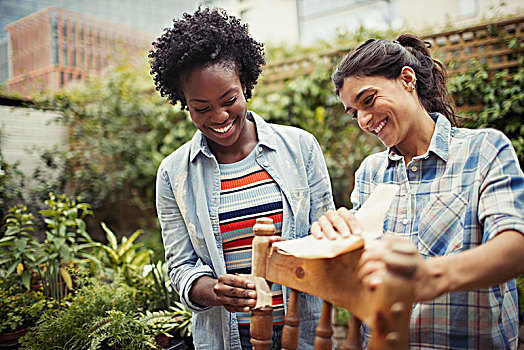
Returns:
(90, 61)
(73, 33)
(54, 39)
(82, 45)
(66, 56)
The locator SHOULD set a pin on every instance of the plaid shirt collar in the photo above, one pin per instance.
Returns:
(439, 144)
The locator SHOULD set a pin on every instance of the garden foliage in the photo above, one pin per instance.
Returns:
(84, 294)
(120, 129)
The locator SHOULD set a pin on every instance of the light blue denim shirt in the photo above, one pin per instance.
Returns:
(188, 198)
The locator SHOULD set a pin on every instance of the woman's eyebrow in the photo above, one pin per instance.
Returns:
(362, 92)
(228, 91)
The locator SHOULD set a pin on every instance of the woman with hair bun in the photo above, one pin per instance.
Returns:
(236, 168)
(460, 203)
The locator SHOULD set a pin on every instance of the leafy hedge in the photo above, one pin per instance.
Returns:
(120, 128)
(502, 97)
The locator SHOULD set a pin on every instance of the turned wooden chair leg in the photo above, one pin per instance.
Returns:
(290, 333)
(324, 330)
(262, 318)
(353, 339)
(261, 328)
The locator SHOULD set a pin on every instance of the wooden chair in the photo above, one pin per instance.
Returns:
(385, 309)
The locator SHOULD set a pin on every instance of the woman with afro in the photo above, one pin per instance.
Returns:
(235, 169)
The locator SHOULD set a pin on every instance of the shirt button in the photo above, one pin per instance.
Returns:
(405, 221)
(260, 149)
(414, 168)
(266, 164)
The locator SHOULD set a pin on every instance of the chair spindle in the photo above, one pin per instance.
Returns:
(290, 333)
(353, 339)
(262, 318)
(324, 330)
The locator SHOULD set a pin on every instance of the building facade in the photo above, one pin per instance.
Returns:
(306, 21)
(145, 16)
(54, 46)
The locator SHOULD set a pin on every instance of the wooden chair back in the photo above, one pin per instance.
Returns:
(386, 309)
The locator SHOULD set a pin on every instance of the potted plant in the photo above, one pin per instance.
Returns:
(18, 249)
(19, 309)
(67, 243)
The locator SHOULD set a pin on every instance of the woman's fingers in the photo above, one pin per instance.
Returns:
(327, 227)
(351, 221)
(235, 293)
(334, 224)
(316, 230)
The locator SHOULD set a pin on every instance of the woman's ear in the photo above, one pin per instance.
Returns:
(408, 78)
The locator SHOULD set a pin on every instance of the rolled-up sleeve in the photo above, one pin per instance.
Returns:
(501, 202)
(183, 264)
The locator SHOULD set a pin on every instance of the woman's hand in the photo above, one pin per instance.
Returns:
(334, 224)
(235, 293)
(374, 264)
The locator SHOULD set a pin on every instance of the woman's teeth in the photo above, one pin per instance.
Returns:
(224, 129)
(379, 127)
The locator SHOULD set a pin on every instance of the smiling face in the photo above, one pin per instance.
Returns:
(387, 108)
(218, 108)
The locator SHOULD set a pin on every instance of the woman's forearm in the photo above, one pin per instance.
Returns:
(492, 263)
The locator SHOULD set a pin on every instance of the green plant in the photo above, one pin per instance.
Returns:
(75, 327)
(184, 317)
(19, 308)
(501, 97)
(520, 291)
(342, 316)
(67, 243)
(307, 101)
(117, 330)
(124, 258)
(19, 250)
(163, 286)
(121, 129)
(11, 185)
(176, 318)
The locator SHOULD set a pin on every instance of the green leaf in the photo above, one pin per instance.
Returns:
(111, 238)
(26, 279)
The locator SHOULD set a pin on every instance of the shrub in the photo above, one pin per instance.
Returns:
(19, 308)
(79, 324)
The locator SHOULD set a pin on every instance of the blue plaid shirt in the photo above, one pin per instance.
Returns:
(466, 189)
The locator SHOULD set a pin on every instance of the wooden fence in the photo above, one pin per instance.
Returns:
(496, 44)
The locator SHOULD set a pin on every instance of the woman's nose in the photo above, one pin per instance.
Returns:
(220, 115)
(364, 119)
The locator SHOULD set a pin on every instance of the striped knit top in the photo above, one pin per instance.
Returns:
(247, 193)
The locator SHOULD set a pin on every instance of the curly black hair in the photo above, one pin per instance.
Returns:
(208, 36)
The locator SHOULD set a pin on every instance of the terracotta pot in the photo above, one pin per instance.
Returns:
(12, 338)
